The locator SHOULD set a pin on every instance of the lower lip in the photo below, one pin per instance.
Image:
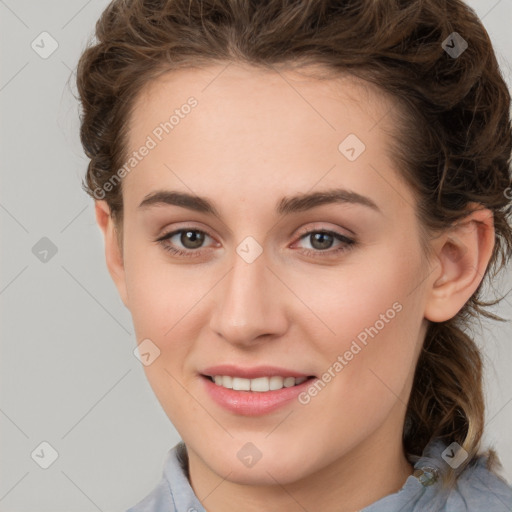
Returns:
(253, 403)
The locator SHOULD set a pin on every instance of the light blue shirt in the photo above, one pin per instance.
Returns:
(477, 489)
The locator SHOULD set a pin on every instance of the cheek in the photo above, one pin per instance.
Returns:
(354, 296)
(159, 293)
(161, 305)
(374, 326)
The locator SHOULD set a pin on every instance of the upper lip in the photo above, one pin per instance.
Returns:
(251, 373)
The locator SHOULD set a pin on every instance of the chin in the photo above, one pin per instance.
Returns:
(265, 472)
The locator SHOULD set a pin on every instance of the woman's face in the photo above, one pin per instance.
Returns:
(263, 287)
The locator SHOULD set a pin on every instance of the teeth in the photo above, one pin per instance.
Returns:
(260, 384)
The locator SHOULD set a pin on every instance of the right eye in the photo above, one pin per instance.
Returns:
(190, 238)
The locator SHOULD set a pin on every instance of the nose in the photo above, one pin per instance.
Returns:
(250, 303)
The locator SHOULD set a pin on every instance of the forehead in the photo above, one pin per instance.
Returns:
(258, 130)
(305, 90)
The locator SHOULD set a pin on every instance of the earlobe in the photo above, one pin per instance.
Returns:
(463, 254)
(113, 252)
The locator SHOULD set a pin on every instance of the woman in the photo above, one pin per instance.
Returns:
(300, 203)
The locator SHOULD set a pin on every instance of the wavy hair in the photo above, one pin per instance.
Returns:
(453, 139)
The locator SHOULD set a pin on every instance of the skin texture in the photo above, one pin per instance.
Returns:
(254, 137)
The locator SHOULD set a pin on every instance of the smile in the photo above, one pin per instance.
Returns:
(260, 384)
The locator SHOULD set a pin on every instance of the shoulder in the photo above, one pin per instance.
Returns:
(158, 500)
(173, 492)
(479, 488)
(476, 489)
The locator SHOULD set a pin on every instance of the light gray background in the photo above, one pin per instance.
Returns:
(68, 373)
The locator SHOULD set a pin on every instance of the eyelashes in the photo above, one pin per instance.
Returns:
(346, 243)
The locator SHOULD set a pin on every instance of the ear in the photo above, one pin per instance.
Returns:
(462, 256)
(113, 251)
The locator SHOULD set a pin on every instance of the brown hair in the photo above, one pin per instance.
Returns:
(453, 140)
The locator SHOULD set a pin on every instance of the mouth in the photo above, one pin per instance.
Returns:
(257, 396)
(259, 384)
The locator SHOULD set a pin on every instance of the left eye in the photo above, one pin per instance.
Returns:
(323, 240)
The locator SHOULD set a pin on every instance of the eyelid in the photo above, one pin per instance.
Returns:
(322, 228)
(306, 230)
(185, 227)
(173, 232)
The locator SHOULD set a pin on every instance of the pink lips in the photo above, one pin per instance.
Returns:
(251, 373)
(252, 403)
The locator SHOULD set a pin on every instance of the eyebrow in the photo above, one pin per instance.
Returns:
(286, 206)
